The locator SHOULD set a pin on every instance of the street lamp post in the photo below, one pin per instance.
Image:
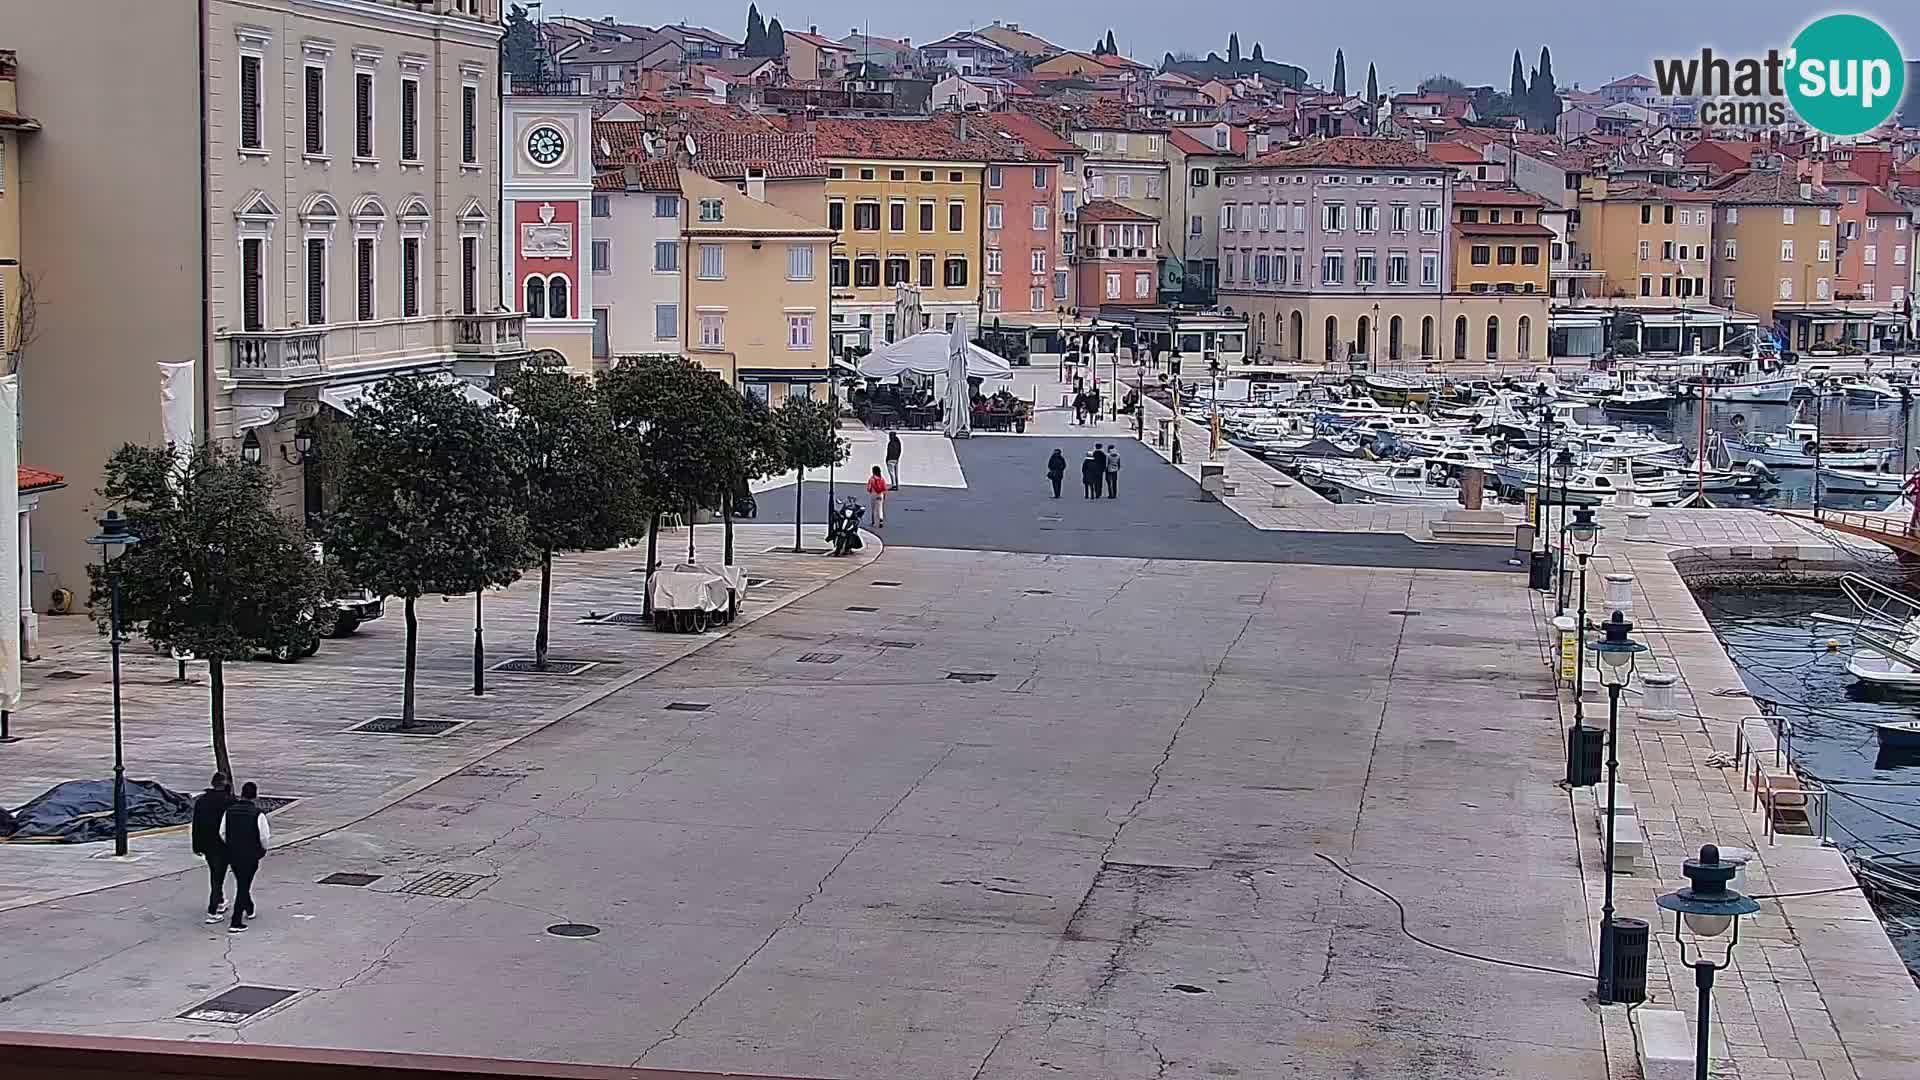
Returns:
(1173, 366)
(1585, 534)
(1213, 434)
(1708, 906)
(1616, 653)
(479, 643)
(1140, 403)
(113, 534)
(1545, 453)
(1563, 468)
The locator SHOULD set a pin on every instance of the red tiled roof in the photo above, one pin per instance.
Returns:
(32, 479)
(1453, 153)
(1752, 187)
(1642, 191)
(1879, 202)
(1842, 177)
(650, 175)
(936, 138)
(782, 155)
(1350, 151)
(1084, 114)
(817, 41)
(1502, 228)
(1037, 141)
(1108, 210)
(1631, 80)
(10, 119)
(1190, 143)
(1495, 197)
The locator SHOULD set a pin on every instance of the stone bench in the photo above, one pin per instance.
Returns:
(1622, 800)
(1629, 840)
(1663, 1044)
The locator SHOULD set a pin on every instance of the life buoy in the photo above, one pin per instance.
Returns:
(61, 602)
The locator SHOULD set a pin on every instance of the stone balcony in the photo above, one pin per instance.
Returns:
(277, 357)
(495, 334)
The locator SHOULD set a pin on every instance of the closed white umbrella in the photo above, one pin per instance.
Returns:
(959, 397)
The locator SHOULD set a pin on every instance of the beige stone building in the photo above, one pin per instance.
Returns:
(331, 223)
(1650, 242)
(1776, 240)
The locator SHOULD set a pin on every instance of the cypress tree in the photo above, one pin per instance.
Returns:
(776, 42)
(1233, 48)
(1543, 98)
(1112, 50)
(1257, 58)
(756, 31)
(1340, 72)
(1517, 86)
(1373, 86)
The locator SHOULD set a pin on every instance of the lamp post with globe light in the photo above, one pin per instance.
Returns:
(1585, 535)
(1562, 468)
(114, 535)
(1709, 906)
(1616, 653)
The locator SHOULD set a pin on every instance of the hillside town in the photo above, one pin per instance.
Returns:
(545, 545)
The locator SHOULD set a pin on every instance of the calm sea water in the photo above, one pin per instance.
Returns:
(1839, 416)
(1782, 656)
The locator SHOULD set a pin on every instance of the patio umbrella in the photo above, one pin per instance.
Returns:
(959, 398)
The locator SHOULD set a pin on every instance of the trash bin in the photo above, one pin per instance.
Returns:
(1213, 475)
(1656, 700)
(1281, 488)
(1584, 747)
(1540, 571)
(1630, 941)
(1619, 594)
(1637, 524)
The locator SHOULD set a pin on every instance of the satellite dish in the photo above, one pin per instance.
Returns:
(693, 148)
(606, 150)
(652, 144)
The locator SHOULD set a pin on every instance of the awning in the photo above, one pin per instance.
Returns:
(347, 398)
(1675, 319)
(927, 353)
(1568, 322)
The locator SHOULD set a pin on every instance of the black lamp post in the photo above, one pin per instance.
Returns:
(113, 534)
(1563, 468)
(1616, 653)
(1213, 435)
(1585, 534)
(1173, 366)
(480, 641)
(1709, 907)
(1545, 452)
(1140, 403)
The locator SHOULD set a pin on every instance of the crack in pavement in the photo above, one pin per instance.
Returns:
(18, 994)
(793, 917)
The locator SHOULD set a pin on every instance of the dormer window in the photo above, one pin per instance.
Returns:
(710, 210)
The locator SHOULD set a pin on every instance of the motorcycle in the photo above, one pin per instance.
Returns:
(844, 530)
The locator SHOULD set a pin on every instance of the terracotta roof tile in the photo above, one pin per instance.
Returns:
(1879, 202)
(787, 155)
(1108, 210)
(1495, 197)
(1037, 141)
(32, 479)
(1753, 187)
(1502, 228)
(1453, 153)
(936, 138)
(1350, 152)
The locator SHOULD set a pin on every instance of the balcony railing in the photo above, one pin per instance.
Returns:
(277, 356)
(499, 333)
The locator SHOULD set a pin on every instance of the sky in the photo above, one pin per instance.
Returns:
(1593, 41)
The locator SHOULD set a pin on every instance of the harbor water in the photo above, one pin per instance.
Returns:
(1784, 658)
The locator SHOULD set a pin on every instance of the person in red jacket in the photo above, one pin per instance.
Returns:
(877, 498)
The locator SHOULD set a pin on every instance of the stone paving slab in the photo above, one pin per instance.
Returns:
(287, 722)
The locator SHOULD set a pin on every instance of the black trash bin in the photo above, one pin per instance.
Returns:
(1629, 960)
(1540, 571)
(1584, 746)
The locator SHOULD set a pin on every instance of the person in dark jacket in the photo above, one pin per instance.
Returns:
(893, 459)
(245, 831)
(1099, 469)
(1056, 470)
(208, 810)
(1086, 475)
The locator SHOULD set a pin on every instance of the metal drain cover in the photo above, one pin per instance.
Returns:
(555, 666)
(238, 1004)
(885, 584)
(443, 883)
(861, 607)
(1404, 611)
(1039, 592)
(787, 549)
(394, 725)
(972, 676)
(269, 803)
(759, 582)
(573, 929)
(624, 618)
(688, 706)
(820, 658)
(357, 881)
(896, 644)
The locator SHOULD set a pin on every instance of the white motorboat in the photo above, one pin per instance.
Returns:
(1866, 389)
(1860, 481)
(1741, 380)
(1640, 396)
(1886, 633)
(1354, 408)
(1408, 484)
(1397, 390)
(1794, 449)
(1615, 443)
(1592, 487)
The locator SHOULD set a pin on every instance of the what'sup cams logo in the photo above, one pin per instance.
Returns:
(1843, 75)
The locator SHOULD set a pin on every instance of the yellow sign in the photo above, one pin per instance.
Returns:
(1569, 655)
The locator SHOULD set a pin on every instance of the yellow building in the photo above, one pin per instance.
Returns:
(1499, 242)
(1775, 244)
(12, 126)
(1649, 242)
(904, 199)
(756, 279)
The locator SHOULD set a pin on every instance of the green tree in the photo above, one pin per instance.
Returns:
(520, 51)
(1543, 97)
(808, 440)
(756, 42)
(1442, 84)
(579, 494)
(217, 572)
(430, 500)
(776, 42)
(1233, 48)
(1109, 46)
(1340, 72)
(1373, 87)
(1517, 82)
(1257, 58)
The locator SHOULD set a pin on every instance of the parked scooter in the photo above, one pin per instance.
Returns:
(844, 529)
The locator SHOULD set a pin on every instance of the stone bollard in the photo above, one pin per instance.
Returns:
(1656, 701)
(1619, 594)
(1280, 489)
(1165, 424)
(1637, 528)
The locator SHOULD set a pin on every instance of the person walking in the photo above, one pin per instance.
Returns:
(1056, 470)
(1093, 403)
(877, 498)
(209, 809)
(893, 459)
(1113, 470)
(1079, 407)
(244, 829)
(1086, 475)
(1099, 469)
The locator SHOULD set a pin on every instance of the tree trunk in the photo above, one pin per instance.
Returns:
(413, 636)
(646, 589)
(217, 709)
(692, 509)
(726, 517)
(546, 604)
(799, 505)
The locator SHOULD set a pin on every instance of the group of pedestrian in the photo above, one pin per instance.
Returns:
(231, 834)
(1099, 471)
(1086, 405)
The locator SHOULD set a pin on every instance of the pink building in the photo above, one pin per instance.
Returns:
(1875, 243)
(1025, 264)
(1119, 264)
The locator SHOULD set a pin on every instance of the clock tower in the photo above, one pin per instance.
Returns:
(547, 189)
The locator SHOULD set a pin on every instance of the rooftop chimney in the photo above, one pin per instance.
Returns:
(963, 124)
(814, 30)
(756, 183)
(1255, 136)
(1806, 190)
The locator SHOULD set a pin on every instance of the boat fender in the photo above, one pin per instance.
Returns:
(1833, 645)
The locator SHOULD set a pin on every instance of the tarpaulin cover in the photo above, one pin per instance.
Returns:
(81, 811)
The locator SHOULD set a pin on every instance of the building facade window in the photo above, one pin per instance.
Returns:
(1429, 268)
(995, 215)
(1037, 298)
(1142, 285)
(926, 271)
(866, 272)
(666, 322)
(713, 329)
(897, 215)
(1039, 219)
(898, 271)
(316, 109)
(251, 137)
(602, 255)
(409, 119)
(927, 212)
(410, 276)
(469, 125)
(601, 206)
(956, 217)
(666, 206)
(666, 256)
(956, 273)
(713, 262)
(363, 114)
(800, 262)
(839, 273)
(363, 249)
(714, 210)
(799, 332)
(316, 281)
(253, 257)
(1113, 286)
(866, 217)
(469, 274)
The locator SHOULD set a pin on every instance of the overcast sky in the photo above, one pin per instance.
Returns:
(1593, 41)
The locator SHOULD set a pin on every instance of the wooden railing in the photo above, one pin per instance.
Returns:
(37, 1056)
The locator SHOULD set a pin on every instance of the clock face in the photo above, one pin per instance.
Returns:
(545, 145)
